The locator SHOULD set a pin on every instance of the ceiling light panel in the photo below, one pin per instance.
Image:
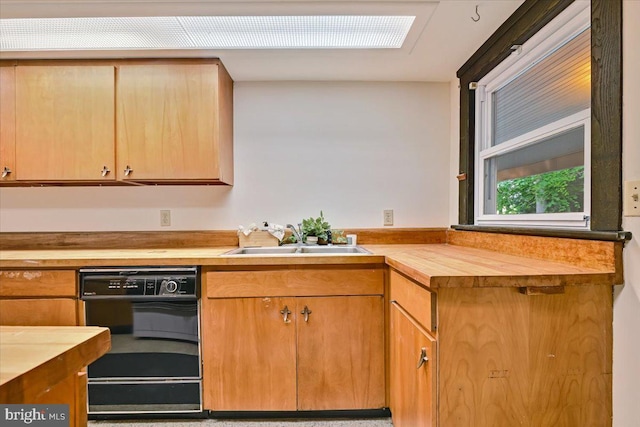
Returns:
(277, 32)
(205, 32)
(91, 33)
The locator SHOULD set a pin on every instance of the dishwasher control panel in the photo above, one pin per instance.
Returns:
(143, 282)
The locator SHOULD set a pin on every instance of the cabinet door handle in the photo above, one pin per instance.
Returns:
(423, 357)
(127, 171)
(105, 171)
(306, 313)
(285, 314)
(6, 172)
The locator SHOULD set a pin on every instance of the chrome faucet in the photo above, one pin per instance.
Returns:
(297, 233)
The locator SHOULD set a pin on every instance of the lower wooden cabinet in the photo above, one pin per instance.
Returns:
(38, 312)
(287, 353)
(340, 352)
(38, 298)
(413, 368)
(249, 354)
(500, 356)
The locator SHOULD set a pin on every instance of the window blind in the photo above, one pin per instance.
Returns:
(555, 87)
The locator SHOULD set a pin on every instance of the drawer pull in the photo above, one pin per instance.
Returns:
(6, 172)
(423, 357)
(127, 171)
(105, 171)
(285, 314)
(306, 313)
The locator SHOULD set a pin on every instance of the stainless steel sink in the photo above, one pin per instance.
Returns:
(263, 251)
(299, 250)
(333, 250)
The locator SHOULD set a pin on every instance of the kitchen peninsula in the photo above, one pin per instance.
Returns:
(44, 365)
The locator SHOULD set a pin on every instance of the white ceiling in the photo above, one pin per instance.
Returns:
(441, 39)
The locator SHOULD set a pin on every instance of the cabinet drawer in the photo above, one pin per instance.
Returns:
(415, 299)
(38, 283)
(294, 282)
(38, 312)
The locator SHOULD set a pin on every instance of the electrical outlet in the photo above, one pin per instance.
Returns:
(631, 201)
(388, 216)
(165, 218)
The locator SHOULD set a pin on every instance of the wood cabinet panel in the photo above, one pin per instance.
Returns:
(174, 122)
(249, 354)
(38, 283)
(7, 122)
(341, 353)
(570, 358)
(65, 118)
(483, 357)
(420, 302)
(38, 312)
(71, 391)
(295, 282)
(413, 386)
(506, 358)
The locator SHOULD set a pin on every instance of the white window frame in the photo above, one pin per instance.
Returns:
(571, 22)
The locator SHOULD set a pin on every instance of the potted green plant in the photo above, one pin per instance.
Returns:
(314, 230)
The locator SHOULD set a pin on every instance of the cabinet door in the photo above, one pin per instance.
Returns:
(341, 353)
(38, 312)
(412, 372)
(249, 354)
(167, 122)
(7, 123)
(65, 118)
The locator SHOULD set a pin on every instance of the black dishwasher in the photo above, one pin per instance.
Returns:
(154, 364)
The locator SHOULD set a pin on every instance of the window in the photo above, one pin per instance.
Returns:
(533, 129)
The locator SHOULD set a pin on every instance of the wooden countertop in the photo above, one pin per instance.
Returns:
(34, 358)
(445, 265)
(435, 265)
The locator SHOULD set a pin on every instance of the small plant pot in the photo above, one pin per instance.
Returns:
(312, 240)
(322, 241)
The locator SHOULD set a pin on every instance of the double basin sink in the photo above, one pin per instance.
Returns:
(299, 250)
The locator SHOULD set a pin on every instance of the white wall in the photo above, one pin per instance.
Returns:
(626, 313)
(350, 149)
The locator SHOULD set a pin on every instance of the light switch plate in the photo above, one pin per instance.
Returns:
(165, 218)
(631, 200)
(388, 216)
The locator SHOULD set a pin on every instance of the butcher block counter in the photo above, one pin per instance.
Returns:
(434, 265)
(43, 365)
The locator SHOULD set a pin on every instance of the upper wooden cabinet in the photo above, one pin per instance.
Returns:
(174, 122)
(98, 122)
(65, 122)
(7, 122)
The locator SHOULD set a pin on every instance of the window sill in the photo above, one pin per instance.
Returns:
(610, 236)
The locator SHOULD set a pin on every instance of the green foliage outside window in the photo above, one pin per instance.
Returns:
(550, 192)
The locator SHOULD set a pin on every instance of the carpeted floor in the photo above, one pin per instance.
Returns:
(384, 422)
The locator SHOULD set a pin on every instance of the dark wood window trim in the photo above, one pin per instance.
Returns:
(606, 108)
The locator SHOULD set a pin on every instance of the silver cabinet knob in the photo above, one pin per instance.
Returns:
(5, 172)
(306, 313)
(127, 171)
(285, 314)
(105, 171)
(423, 357)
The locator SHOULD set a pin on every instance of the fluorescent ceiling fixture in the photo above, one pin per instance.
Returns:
(205, 32)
